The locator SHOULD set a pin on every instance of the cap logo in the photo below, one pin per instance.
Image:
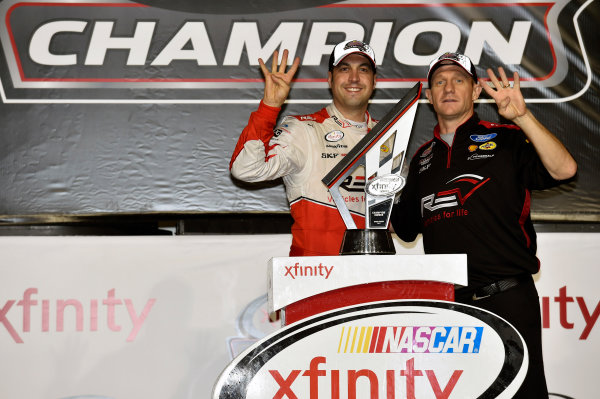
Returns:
(450, 56)
(343, 49)
(357, 44)
(456, 58)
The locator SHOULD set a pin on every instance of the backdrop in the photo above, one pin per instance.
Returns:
(119, 107)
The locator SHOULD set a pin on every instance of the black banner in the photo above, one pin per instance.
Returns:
(134, 107)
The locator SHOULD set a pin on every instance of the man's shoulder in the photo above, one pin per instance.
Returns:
(501, 127)
(506, 133)
(319, 117)
(294, 127)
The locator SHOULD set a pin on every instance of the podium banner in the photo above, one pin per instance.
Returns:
(156, 317)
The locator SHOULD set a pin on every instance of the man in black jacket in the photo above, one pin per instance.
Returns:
(468, 191)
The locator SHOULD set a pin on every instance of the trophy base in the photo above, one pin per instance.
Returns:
(367, 242)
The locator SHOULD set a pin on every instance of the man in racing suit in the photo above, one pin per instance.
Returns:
(468, 191)
(302, 149)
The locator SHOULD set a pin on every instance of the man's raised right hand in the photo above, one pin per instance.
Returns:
(277, 81)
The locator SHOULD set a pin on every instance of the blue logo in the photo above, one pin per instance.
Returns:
(480, 138)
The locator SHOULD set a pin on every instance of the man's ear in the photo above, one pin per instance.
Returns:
(428, 95)
(477, 91)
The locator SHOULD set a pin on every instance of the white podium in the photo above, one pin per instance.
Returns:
(303, 286)
(376, 326)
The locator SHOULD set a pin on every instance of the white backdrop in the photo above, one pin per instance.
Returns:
(160, 317)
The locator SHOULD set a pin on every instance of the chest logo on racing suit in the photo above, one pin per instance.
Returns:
(459, 190)
(480, 138)
(280, 129)
(428, 150)
(334, 136)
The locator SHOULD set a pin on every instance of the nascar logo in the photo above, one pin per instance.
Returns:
(410, 339)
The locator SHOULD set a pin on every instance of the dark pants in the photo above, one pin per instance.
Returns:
(520, 307)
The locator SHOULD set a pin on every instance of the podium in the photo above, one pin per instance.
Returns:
(363, 326)
(300, 287)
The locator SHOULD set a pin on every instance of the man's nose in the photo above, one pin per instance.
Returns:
(354, 75)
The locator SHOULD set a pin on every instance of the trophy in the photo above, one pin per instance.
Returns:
(382, 153)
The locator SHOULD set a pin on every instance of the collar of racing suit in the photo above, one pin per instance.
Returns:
(333, 111)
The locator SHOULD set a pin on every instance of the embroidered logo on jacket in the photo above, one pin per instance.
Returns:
(490, 145)
(428, 150)
(459, 190)
(480, 138)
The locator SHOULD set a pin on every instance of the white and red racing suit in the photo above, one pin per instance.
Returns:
(302, 150)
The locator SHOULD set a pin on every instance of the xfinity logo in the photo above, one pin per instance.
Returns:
(79, 47)
(353, 380)
(50, 315)
(298, 270)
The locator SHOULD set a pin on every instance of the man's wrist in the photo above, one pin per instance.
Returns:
(271, 104)
(524, 119)
(268, 107)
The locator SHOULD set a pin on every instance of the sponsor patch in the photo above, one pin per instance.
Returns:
(425, 161)
(279, 130)
(424, 168)
(479, 156)
(480, 138)
(335, 135)
(490, 145)
(428, 150)
(473, 148)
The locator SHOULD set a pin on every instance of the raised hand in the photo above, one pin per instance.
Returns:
(277, 80)
(511, 105)
(510, 101)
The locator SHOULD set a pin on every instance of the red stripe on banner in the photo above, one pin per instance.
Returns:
(374, 340)
(382, 333)
(384, 5)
